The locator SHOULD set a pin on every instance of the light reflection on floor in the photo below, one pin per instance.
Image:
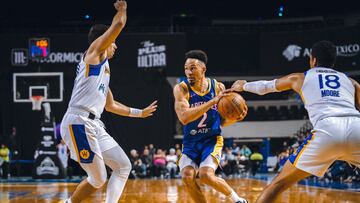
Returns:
(169, 191)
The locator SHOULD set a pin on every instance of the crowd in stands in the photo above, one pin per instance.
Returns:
(161, 163)
(152, 162)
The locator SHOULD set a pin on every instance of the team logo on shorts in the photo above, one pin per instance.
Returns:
(85, 154)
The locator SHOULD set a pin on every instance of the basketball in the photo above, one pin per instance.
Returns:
(232, 107)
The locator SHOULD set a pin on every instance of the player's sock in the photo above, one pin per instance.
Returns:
(235, 198)
(116, 185)
(68, 200)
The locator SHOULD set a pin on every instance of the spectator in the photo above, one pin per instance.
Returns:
(235, 148)
(64, 157)
(177, 146)
(138, 167)
(245, 151)
(229, 162)
(15, 156)
(152, 150)
(255, 160)
(13, 145)
(5, 159)
(147, 161)
(285, 146)
(242, 163)
(171, 166)
(159, 161)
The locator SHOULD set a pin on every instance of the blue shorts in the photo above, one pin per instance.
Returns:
(199, 151)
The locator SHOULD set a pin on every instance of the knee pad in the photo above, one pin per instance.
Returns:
(97, 181)
(125, 169)
(122, 172)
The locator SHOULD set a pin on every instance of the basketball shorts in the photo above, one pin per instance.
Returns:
(84, 136)
(333, 138)
(200, 154)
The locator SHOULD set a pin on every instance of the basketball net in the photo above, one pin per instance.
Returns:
(36, 102)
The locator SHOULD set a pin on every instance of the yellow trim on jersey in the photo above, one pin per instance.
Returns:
(303, 149)
(218, 148)
(216, 87)
(87, 70)
(207, 91)
(74, 142)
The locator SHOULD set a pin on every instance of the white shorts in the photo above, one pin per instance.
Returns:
(333, 138)
(84, 136)
(208, 162)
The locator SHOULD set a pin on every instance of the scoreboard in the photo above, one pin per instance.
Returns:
(39, 48)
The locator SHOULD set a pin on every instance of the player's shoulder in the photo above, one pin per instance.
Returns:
(219, 85)
(94, 58)
(181, 87)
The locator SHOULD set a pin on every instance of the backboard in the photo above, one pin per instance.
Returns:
(50, 85)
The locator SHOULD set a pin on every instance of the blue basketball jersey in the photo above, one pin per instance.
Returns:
(207, 125)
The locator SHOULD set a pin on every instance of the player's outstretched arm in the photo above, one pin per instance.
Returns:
(122, 110)
(357, 93)
(118, 23)
(182, 106)
(293, 81)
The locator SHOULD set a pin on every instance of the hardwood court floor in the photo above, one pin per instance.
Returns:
(148, 191)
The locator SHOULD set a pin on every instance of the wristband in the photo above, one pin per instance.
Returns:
(135, 112)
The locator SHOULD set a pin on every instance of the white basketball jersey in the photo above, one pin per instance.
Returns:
(328, 93)
(91, 87)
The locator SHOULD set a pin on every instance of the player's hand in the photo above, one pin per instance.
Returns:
(148, 111)
(219, 96)
(120, 5)
(238, 86)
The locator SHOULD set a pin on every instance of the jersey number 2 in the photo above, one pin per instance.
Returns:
(201, 123)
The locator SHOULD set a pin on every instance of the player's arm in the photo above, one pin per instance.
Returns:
(122, 110)
(357, 93)
(118, 23)
(293, 81)
(182, 106)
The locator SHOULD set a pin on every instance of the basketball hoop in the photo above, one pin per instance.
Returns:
(36, 102)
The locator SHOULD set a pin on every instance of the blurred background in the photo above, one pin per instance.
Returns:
(42, 42)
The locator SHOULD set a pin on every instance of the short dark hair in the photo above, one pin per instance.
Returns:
(96, 31)
(325, 53)
(197, 54)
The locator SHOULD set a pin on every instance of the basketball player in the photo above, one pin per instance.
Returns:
(195, 105)
(81, 128)
(330, 98)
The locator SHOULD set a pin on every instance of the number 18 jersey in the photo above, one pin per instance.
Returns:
(328, 93)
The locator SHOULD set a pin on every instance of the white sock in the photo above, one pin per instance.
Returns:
(235, 197)
(68, 200)
(115, 186)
